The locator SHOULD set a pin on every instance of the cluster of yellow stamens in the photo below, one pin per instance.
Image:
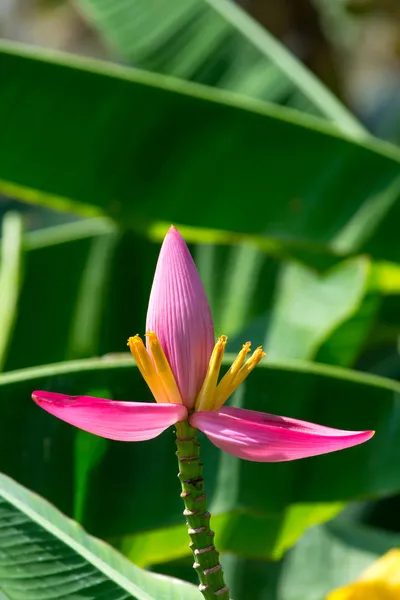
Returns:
(213, 394)
(158, 375)
(155, 369)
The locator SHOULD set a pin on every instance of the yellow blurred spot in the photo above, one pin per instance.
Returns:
(381, 581)
(385, 277)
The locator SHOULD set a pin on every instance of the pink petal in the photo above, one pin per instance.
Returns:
(262, 437)
(180, 316)
(125, 421)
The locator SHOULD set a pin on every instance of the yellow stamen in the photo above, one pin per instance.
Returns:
(205, 398)
(213, 396)
(157, 373)
(225, 387)
(147, 368)
(248, 366)
(164, 370)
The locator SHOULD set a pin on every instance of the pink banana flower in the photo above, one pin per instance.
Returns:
(180, 363)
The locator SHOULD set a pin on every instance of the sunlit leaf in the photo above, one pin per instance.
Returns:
(309, 306)
(45, 556)
(10, 278)
(216, 43)
(116, 125)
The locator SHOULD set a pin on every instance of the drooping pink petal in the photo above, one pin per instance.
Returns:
(262, 437)
(124, 421)
(180, 316)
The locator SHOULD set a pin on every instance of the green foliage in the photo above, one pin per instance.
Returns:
(338, 551)
(213, 43)
(88, 310)
(10, 278)
(147, 120)
(291, 210)
(241, 494)
(67, 562)
(310, 306)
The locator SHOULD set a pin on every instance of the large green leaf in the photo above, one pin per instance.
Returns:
(346, 343)
(116, 127)
(214, 43)
(374, 327)
(275, 502)
(309, 306)
(45, 556)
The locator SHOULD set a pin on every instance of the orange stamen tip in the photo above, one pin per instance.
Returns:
(259, 353)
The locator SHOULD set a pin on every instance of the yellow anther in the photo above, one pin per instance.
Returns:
(244, 371)
(205, 398)
(225, 387)
(164, 370)
(141, 356)
(147, 368)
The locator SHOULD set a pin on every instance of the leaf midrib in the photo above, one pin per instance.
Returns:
(197, 90)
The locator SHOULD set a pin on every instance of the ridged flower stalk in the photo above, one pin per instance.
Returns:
(206, 557)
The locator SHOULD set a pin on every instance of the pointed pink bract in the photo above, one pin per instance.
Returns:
(261, 437)
(180, 316)
(124, 421)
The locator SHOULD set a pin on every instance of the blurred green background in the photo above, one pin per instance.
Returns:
(268, 133)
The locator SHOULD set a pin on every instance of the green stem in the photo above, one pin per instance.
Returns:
(207, 565)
